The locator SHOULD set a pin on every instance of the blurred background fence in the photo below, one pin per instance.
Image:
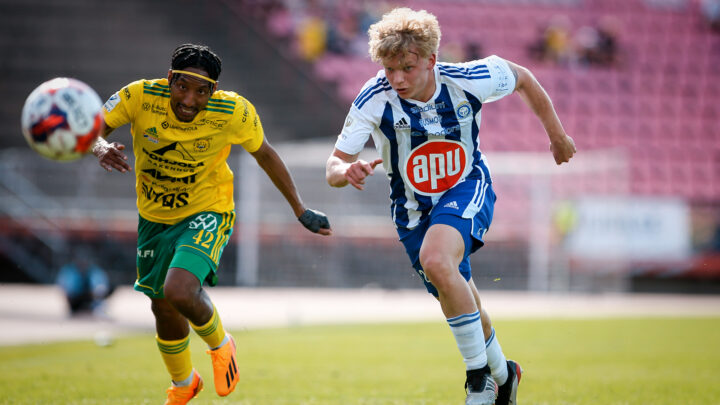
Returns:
(636, 83)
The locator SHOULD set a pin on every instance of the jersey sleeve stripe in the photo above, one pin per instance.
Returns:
(221, 105)
(463, 76)
(359, 103)
(228, 103)
(477, 72)
(382, 84)
(222, 110)
(378, 82)
(157, 93)
(156, 86)
(477, 69)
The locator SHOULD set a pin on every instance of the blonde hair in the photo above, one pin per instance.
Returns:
(401, 28)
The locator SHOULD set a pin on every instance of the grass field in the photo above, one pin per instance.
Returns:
(584, 362)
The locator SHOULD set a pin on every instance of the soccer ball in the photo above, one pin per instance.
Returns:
(62, 118)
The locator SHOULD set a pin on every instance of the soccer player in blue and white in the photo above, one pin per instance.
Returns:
(424, 117)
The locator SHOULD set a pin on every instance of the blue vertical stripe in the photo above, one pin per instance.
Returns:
(417, 132)
(477, 172)
(397, 187)
(448, 119)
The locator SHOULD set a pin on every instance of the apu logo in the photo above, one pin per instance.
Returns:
(435, 166)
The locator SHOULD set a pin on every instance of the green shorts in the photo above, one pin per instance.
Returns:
(194, 244)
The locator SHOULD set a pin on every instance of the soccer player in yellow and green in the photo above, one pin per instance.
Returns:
(183, 128)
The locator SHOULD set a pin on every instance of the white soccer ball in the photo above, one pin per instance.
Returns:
(62, 118)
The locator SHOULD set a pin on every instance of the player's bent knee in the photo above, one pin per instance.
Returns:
(443, 278)
(437, 265)
(180, 287)
(179, 295)
(162, 309)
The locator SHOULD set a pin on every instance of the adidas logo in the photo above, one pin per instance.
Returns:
(402, 124)
(451, 204)
(231, 373)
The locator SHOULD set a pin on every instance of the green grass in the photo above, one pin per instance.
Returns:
(584, 362)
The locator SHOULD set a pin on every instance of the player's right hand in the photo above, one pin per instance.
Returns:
(359, 170)
(110, 156)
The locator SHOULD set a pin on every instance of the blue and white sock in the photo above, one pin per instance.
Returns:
(496, 359)
(468, 333)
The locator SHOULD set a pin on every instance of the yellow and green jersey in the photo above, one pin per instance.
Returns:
(181, 167)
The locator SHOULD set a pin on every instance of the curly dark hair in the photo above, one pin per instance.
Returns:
(197, 56)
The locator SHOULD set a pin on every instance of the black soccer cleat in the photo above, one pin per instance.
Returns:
(507, 393)
(480, 387)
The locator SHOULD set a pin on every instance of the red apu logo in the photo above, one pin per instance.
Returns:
(435, 166)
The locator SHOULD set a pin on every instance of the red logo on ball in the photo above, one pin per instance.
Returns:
(435, 166)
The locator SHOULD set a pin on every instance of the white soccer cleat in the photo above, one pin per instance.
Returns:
(480, 387)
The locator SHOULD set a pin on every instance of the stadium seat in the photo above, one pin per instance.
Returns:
(663, 93)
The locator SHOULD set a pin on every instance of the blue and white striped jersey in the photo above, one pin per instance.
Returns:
(427, 148)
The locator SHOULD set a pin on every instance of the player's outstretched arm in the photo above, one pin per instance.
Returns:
(269, 160)
(342, 169)
(562, 146)
(109, 154)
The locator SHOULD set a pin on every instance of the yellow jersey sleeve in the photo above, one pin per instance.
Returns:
(121, 107)
(247, 130)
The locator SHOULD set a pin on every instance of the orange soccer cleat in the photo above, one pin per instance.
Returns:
(225, 367)
(183, 395)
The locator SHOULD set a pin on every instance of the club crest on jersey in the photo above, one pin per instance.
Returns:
(463, 109)
(435, 166)
(201, 145)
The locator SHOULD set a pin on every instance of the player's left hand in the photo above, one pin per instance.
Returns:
(315, 221)
(563, 148)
